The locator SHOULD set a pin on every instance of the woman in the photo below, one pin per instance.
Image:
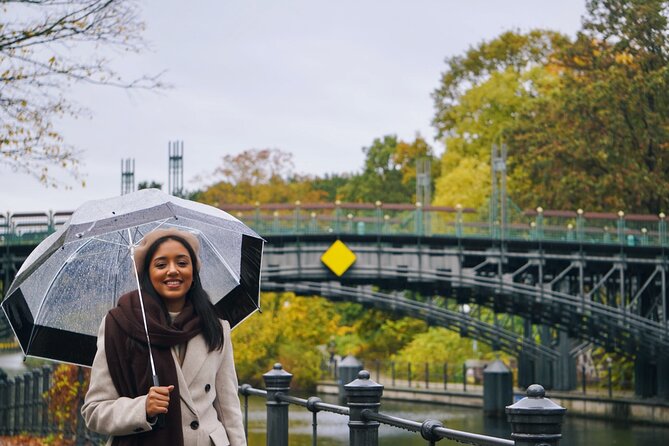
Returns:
(192, 352)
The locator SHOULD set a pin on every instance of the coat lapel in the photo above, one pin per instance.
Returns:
(196, 354)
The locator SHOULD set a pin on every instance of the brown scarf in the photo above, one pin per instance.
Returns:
(128, 359)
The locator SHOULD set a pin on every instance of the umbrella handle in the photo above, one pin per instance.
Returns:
(160, 418)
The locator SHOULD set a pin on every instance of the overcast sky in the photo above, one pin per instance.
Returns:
(320, 79)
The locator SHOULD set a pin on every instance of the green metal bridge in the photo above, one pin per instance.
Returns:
(540, 284)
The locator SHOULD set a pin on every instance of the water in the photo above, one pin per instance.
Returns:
(333, 431)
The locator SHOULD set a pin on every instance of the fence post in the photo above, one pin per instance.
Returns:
(277, 381)
(445, 375)
(3, 402)
(427, 375)
(27, 401)
(46, 378)
(11, 407)
(79, 427)
(37, 401)
(535, 420)
(18, 404)
(362, 395)
(4, 387)
(464, 377)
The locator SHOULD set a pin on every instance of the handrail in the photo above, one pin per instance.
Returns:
(432, 428)
(384, 218)
(534, 419)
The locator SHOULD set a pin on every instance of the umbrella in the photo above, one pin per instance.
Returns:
(69, 282)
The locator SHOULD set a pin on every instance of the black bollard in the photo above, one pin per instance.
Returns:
(277, 381)
(347, 371)
(497, 389)
(536, 420)
(18, 404)
(363, 394)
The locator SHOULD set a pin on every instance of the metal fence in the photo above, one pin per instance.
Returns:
(425, 375)
(24, 408)
(535, 420)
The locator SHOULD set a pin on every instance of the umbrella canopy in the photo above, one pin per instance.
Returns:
(70, 281)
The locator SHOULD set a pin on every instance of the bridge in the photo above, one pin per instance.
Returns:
(539, 284)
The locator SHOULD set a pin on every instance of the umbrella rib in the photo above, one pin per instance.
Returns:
(41, 304)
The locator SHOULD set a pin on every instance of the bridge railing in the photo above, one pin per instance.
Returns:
(388, 218)
(535, 420)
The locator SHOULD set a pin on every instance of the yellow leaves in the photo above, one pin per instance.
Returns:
(579, 61)
(65, 392)
(465, 182)
(289, 330)
(624, 58)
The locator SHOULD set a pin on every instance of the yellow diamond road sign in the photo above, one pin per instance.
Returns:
(338, 258)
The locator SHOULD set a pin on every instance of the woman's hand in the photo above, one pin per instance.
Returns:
(157, 400)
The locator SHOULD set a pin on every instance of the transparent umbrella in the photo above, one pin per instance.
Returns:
(70, 281)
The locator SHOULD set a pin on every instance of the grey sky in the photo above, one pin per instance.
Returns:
(315, 78)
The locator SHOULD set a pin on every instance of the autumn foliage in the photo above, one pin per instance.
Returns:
(68, 388)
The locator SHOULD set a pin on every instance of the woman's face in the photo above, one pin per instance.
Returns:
(171, 273)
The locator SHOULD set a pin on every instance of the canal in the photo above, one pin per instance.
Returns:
(332, 429)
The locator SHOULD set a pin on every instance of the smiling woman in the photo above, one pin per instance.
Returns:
(197, 403)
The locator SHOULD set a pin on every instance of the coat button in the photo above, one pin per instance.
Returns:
(207, 388)
(194, 425)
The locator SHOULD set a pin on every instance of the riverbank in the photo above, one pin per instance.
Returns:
(628, 410)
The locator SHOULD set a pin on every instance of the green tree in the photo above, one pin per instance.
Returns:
(477, 104)
(289, 331)
(149, 185)
(439, 345)
(38, 66)
(389, 172)
(599, 141)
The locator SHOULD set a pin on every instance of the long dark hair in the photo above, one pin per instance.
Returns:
(211, 326)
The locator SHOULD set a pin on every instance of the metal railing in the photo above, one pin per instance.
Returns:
(535, 420)
(410, 219)
(24, 408)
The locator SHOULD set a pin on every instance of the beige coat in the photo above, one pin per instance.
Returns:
(210, 410)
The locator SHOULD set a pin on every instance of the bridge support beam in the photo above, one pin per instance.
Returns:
(663, 377)
(645, 376)
(565, 369)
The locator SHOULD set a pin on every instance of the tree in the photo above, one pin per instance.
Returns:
(599, 141)
(478, 102)
(38, 66)
(389, 173)
(149, 185)
(258, 175)
(289, 331)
